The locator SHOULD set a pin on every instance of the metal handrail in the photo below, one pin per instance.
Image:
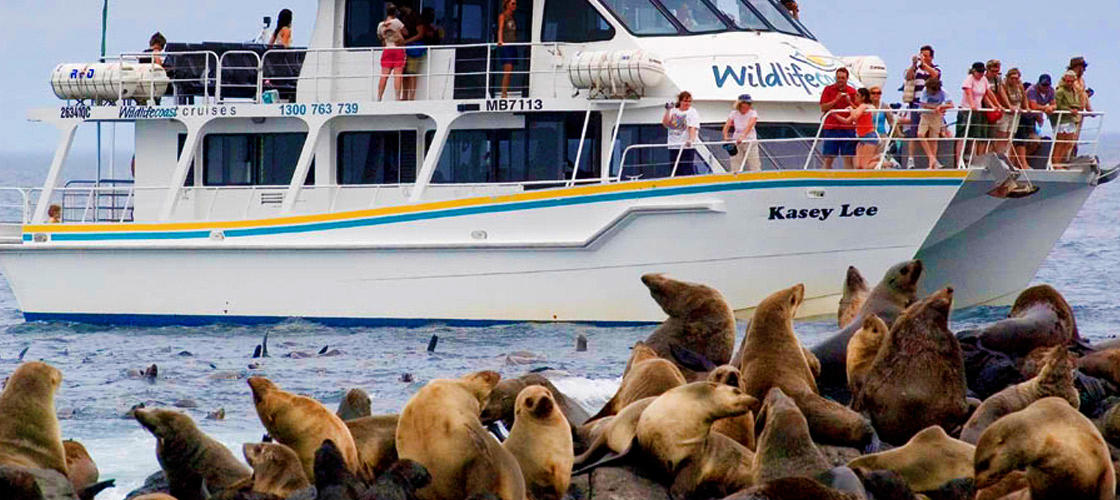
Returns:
(205, 80)
(256, 69)
(699, 142)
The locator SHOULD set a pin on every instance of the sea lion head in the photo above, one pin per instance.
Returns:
(726, 401)
(34, 377)
(261, 387)
(854, 280)
(726, 375)
(163, 423)
(408, 473)
(502, 402)
(680, 299)
(355, 404)
(780, 307)
(903, 277)
(933, 310)
(1047, 296)
(480, 384)
(257, 454)
(535, 402)
(330, 466)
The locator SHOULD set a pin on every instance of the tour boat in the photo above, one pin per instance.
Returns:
(273, 183)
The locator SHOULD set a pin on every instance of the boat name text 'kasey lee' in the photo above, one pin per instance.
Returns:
(782, 213)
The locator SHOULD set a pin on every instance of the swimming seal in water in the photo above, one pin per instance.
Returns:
(29, 432)
(189, 457)
(699, 319)
(541, 441)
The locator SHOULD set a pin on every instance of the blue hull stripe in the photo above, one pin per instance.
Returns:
(201, 320)
(507, 207)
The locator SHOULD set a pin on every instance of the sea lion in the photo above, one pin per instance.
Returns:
(1110, 425)
(1102, 364)
(277, 470)
(611, 436)
(503, 399)
(355, 404)
(792, 488)
(541, 441)
(894, 293)
(785, 448)
(302, 424)
(773, 357)
(333, 478)
(154, 496)
(1055, 379)
(376, 440)
(917, 379)
(80, 467)
(440, 429)
(699, 319)
(929, 460)
(400, 482)
(29, 432)
(646, 375)
(1062, 453)
(852, 298)
(741, 428)
(1040, 317)
(189, 457)
(863, 348)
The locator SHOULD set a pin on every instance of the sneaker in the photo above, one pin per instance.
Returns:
(909, 164)
(937, 165)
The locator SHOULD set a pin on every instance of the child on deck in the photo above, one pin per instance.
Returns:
(934, 104)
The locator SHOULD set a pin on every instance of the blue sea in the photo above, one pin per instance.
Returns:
(203, 369)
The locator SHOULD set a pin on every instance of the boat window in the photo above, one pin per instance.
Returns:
(694, 16)
(641, 163)
(189, 181)
(574, 21)
(774, 15)
(387, 157)
(362, 18)
(252, 159)
(641, 17)
(741, 15)
(545, 150)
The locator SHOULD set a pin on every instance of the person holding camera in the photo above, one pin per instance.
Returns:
(921, 70)
(683, 122)
(740, 127)
(839, 136)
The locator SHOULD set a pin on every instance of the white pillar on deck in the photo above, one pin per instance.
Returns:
(61, 151)
(175, 188)
(303, 165)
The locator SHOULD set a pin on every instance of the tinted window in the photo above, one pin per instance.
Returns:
(252, 159)
(377, 157)
(362, 18)
(741, 15)
(641, 17)
(641, 163)
(694, 16)
(574, 21)
(774, 15)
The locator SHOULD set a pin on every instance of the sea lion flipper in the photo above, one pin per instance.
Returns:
(608, 458)
(690, 359)
(92, 490)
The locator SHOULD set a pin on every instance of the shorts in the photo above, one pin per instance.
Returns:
(838, 142)
(1066, 128)
(930, 125)
(1025, 130)
(975, 123)
(869, 139)
(1004, 124)
(412, 65)
(392, 58)
(507, 54)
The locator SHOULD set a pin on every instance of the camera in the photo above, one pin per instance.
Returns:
(670, 105)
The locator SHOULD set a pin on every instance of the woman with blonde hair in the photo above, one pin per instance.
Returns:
(740, 127)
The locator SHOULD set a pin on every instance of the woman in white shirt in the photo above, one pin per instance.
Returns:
(741, 122)
(683, 122)
(392, 32)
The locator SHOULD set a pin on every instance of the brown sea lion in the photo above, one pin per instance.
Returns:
(646, 375)
(740, 428)
(154, 496)
(1110, 425)
(440, 429)
(503, 399)
(897, 290)
(792, 488)
(785, 448)
(189, 457)
(1040, 317)
(376, 440)
(917, 379)
(863, 348)
(929, 460)
(773, 357)
(1062, 453)
(355, 404)
(612, 435)
(1102, 364)
(302, 424)
(81, 469)
(277, 470)
(29, 432)
(1055, 379)
(852, 298)
(699, 319)
(541, 441)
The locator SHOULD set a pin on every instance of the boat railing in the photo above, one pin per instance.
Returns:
(661, 160)
(233, 76)
(1038, 147)
(188, 73)
(15, 205)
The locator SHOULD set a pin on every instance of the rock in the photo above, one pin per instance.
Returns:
(185, 403)
(20, 483)
(579, 488)
(523, 358)
(623, 483)
(155, 483)
(839, 456)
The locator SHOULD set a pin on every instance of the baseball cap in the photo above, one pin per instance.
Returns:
(1044, 80)
(745, 98)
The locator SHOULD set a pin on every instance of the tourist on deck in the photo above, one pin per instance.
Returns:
(683, 122)
(838, 136)
(156, 44)
(740, 127)
(934, 104)
(1040, 99)
(424, 34)
(282, 35)
(392, 32)
(1021, 126)
(1066, 120)
(863, 119)
(972, 125)
(507, 33)
(921, 69)
(886, 124)
(793, 8)
(1000, 129)
(54, 214)
(1078, 66)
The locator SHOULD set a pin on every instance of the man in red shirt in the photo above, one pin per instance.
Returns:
(839, 137)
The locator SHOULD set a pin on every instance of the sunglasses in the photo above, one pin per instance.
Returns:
(876, 93)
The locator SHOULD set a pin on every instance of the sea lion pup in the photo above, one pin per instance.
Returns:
(852, 298)
(917, 379)
(1062, 453)
(646, 375)
(1055, 379)
(863, 348)
(773, 357)
(1040, 317)
(355, 404)
(277, 470)
(189, 457)
(376, 440)
(927, 462)
(541, 441)
(29, 432)
(302, 424)
(699, 319)
(440, 429)
(893, 294)
(741, 428)
(503, 401)
(785, 448)
(333, 479)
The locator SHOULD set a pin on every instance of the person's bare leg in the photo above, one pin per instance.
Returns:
(506, 70)
(398, 84)
(927, 146)
(381, 85)
(848, 163)
(828, 162)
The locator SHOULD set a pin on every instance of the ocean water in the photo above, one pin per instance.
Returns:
(202, 369)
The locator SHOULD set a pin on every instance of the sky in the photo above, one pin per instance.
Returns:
(40, 34)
